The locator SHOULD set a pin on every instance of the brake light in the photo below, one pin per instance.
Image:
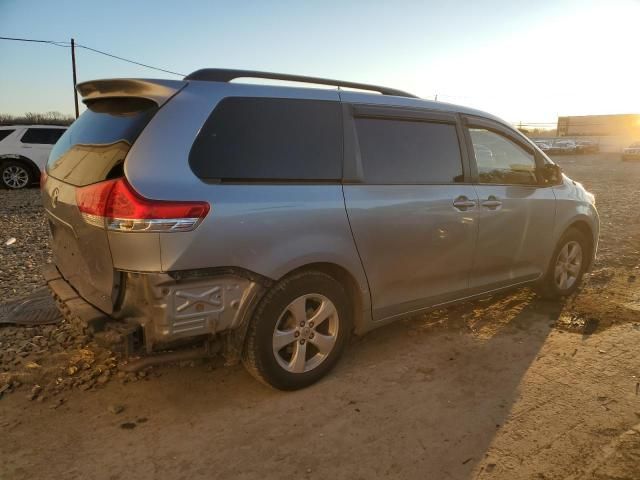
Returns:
(115, 205)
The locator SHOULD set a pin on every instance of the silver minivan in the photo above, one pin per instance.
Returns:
(274, 221)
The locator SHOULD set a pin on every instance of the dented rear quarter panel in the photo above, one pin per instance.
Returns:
(270, 230)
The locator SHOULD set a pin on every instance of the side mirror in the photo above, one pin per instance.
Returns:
(551, 174)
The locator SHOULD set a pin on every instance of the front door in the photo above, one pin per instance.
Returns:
(517, 212)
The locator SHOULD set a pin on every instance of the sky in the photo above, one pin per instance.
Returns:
(525, 61)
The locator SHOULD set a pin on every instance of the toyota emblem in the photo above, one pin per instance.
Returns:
(54, 197)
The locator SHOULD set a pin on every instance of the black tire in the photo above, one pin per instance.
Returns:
(548, 287)
(259, 357)
(7, 180)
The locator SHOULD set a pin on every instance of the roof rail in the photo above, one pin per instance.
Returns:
(226, 75)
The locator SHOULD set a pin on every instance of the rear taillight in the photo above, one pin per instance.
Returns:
(116, 206)
(43, 179)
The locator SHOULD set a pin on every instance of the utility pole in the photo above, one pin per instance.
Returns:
(73, 65)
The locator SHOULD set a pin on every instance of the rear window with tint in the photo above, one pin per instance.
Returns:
(267, 139)
(5, 133)
(47, 136)
(408, 152)
(93, 149)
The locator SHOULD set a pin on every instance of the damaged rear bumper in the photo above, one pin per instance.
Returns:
(168, 308)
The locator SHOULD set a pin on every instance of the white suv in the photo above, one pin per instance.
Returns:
(24, 150)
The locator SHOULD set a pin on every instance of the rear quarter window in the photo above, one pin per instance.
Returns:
(270, 139)
(42, 136)
(5, 133)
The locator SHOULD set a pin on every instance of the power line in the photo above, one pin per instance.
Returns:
(52, 42)
(127, 60)
(67, 44)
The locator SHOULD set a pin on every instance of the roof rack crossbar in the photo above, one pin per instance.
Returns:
(226, 75)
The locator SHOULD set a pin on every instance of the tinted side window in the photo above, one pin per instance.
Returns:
(55, 134)
(501, 161)
(42, 135)
(270, 139)
(5, 133)
(409, 152)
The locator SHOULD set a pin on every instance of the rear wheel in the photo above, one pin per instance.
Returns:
(15, 175)
(298, 331)
(568, 265)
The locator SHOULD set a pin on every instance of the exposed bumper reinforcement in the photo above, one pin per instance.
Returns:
(168, 309)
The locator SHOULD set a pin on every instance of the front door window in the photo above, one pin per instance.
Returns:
(501, 161)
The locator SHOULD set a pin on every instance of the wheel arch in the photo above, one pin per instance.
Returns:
(359, 298)
(586, 229)
(585, 226)
(30, 164)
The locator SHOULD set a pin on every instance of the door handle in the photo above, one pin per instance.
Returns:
(492, 203)
(462, 203)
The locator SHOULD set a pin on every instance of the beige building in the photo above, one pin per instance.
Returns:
(612, 132)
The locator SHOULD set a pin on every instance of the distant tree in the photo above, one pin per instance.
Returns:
(541, 133)
(31, 118)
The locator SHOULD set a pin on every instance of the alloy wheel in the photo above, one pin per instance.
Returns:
(306, 333)
(15, 176)
(568, 265)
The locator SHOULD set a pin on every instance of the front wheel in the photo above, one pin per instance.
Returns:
(568, 265)
(15, 175)
(298, 331)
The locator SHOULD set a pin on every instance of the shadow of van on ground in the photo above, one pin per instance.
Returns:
(421, 398)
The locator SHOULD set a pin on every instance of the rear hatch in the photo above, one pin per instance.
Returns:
(93, 150)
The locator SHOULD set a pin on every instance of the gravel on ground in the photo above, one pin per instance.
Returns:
(21, 261)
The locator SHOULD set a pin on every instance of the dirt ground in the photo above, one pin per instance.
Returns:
(510, 387)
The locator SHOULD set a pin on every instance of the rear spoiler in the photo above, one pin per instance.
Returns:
(158, 91)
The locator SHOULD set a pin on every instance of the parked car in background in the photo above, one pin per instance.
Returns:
(543, 145)
(24, 150)
(277, 220)
(632, 152)
(483, 153)
(587, 146)
(560, 147)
